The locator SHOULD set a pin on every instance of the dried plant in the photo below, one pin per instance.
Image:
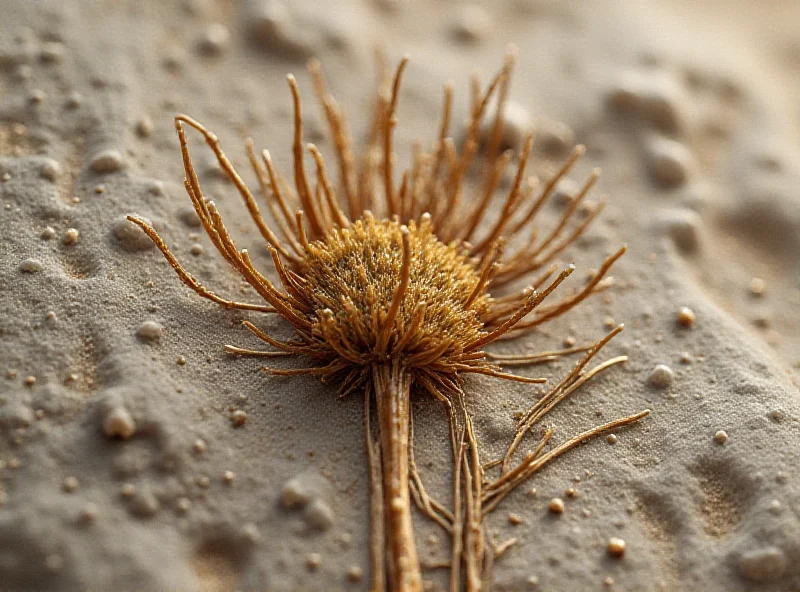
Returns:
(389, 286)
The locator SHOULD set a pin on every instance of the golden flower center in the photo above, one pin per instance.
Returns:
(354, 273)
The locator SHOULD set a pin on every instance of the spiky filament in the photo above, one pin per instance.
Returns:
(402, 301)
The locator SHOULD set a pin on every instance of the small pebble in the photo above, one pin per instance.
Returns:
(661, 376)
(89, 513)
(565, 191)
(204, 482)
(757, 286)
(625, 94)
(554, 138)
(70, 484)
(294, 495)
(684, 228)
(106, 161)
(571, 492)
(149, 331)
(51, 52)
(31, 266)
(30, 380)
(777, 415)
(118, 423)
(471, 23)
(215, 39)
(199, 446)
(319, 515)
(685, 317)
(189, 217)
(616, 547)
(228, 477)
(556, 506)
(355, 573)
(273, 28)
(196, 250)
(36, 97)
(238, 418)
(763, 565)
(181, 361)
(74, 100)
(49, 233)
(660, 104)
(669, 162)
(127, 490)
(313, 561)
(250, 533)
(70, 236)
(50, 169)
(130, 236)
(183, 504)
(514, 518)
(721, 437)
(15, 415)
(156, 187)
(611, 439)
(145, 504)
(517, 124)
(144, 127)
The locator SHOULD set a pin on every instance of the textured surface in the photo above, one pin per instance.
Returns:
(121, 466)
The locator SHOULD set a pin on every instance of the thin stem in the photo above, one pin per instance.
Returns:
(377, 533)
(392, 390)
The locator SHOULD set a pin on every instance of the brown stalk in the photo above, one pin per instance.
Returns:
(392, 385)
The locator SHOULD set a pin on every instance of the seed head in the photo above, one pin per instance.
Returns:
(352, 279)
(398, 282)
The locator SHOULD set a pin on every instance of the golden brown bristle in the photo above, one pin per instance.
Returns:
(355, 273)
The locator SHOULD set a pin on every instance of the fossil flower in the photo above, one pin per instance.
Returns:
(390, 286)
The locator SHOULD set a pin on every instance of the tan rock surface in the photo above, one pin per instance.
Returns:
(112, 370)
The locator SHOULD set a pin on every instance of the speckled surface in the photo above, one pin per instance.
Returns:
(121, 467)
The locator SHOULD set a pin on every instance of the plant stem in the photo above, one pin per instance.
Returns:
(393, 395)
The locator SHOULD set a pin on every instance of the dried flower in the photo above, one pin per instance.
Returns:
(387, 284)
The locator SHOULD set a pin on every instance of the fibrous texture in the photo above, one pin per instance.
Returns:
(390, 283)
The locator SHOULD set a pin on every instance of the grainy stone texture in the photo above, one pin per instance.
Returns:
(86, 401)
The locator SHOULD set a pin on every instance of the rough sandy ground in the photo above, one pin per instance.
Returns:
(691, 111)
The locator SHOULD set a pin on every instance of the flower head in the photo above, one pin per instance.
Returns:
(398, 282)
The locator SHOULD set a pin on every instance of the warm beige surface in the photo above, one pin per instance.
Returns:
(691, 112)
